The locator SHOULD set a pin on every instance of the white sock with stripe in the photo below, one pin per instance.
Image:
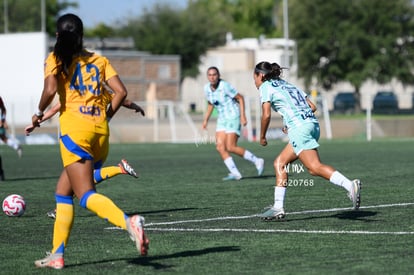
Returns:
(340, 180)
(232, 166)
(279, 197)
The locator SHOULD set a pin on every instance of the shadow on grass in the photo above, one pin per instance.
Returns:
(355, 215)
(262, 177)
(347, 215)
(162, 211)
(22, 179)
(152, 260)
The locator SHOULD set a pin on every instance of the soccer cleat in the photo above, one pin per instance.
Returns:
(355, 194)
(135, 226)
(260, 166)
(273, 214)
(232, 177)
(127, 169)
(54, 261)
(51, 214)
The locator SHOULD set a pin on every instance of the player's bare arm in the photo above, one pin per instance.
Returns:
(311, 105)
(210, 109)
(131, 105)
(240, 99)
(265, 121)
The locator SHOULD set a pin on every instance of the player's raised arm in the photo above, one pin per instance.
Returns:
(131, 105)
(46, 116)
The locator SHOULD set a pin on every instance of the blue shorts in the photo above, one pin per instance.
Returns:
(229, 125)
(304, 137)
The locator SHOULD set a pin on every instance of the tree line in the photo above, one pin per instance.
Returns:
(342, 40)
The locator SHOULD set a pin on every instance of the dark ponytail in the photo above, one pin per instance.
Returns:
(69, 41)
(270, 71)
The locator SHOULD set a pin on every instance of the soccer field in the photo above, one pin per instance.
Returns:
(198, 224)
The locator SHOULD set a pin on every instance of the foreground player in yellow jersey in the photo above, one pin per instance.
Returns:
(102, 173)
(76, 75)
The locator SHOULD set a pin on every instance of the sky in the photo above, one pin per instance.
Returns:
(93, 12)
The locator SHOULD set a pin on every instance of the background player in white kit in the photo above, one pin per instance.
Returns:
(230, 108)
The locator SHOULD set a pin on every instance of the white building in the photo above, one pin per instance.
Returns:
(22, 56)
(236, 61)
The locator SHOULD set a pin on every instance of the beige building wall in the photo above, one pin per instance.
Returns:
(139, 71)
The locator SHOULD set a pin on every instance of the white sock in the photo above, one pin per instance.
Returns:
(13, 143)
(232, 166)
(249, 156)
(340, 180)
(279, 197)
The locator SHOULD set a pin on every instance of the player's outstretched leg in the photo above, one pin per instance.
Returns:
(135, 227)
(104, 208)
(127, 168)
(103, 174)
(52, 260)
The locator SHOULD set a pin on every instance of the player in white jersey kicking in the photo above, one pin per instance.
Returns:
(303, 132)
(230, 109)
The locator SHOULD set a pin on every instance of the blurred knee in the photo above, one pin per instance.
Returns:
(314, 169)
(279, 164)
(220, 147)
(231, 148)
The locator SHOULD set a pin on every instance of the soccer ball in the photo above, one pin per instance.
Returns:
(14, 205)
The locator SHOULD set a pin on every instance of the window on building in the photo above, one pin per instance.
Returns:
(164, 72)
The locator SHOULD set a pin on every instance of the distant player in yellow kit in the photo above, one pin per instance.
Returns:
(76, 75)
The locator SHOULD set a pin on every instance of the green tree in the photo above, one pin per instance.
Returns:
(245, 18)
(101, 30)
(188, 33)
(25, 15)
(202, 25)
(353, 41)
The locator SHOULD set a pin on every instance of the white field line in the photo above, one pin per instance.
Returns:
(278, 231)
(148, 227)
(289, 213)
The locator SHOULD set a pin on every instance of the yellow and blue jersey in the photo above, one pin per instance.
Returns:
(81, 94)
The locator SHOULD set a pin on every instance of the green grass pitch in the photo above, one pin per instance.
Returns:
(198, 224)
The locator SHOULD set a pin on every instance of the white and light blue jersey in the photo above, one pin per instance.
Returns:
(289, 101)
(223, 100)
